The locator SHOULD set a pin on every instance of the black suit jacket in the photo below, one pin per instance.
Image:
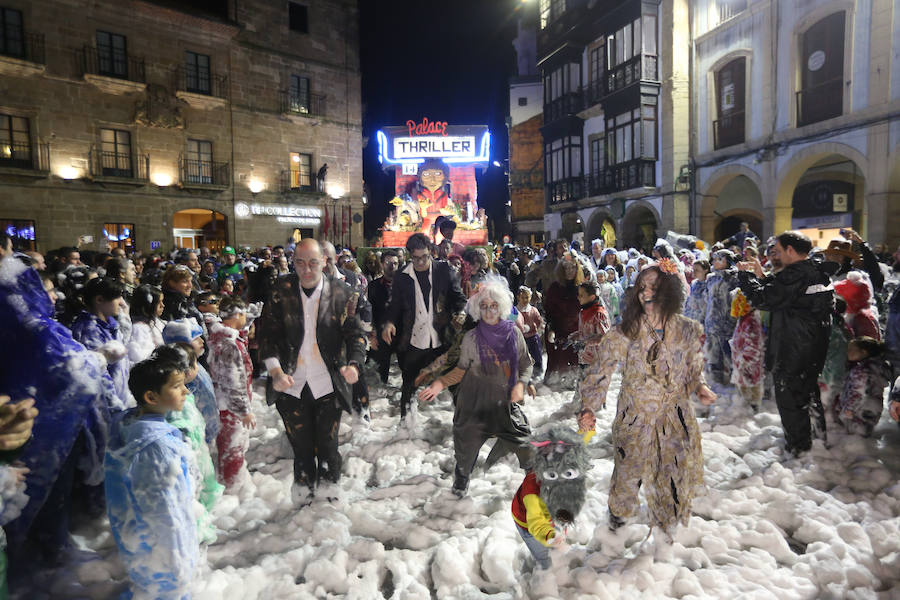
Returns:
(338, 331)
(447, 300)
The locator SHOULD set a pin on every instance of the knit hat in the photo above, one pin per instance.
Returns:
(854, 291)
(181, 330)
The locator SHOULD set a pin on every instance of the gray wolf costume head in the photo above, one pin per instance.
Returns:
(560, 466)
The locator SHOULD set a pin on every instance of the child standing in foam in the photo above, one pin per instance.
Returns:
(747, 351)
(593, 322)
(149, 491)
(862, 398)
(231, 370)
(532, 326)
(191, 424)
(187, 331)
(147, 326)
(856, 290)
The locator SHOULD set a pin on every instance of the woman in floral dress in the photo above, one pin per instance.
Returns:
(655, 432)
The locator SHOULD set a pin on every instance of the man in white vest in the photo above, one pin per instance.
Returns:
(426, 301)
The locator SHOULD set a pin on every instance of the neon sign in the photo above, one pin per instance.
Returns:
(453, 144)
(427, 127)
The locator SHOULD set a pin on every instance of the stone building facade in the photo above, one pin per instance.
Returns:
(155, 124)
(796, 117)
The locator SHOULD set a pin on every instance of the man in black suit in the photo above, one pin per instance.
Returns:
(425, 303)
(313, 345)
(379, 293)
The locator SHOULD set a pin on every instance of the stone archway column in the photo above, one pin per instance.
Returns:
(708, 228)
(877, 220)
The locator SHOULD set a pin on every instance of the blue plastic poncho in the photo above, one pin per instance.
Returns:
(150, 503)
(69, 384)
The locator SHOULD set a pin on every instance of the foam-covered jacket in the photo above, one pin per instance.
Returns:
(205, 399)
(695, 305)
(70, 386)
(800, 299)
(103, 337)
(718, 320)
(145, 337)
(150, 503)
(861, 399)
(230, 368)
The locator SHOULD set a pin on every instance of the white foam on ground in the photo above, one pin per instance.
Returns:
(826, 525)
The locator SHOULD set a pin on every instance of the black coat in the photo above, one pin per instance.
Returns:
(379, 294)
(338, 331)
(447, 300)
(176, 306)
(800, 299)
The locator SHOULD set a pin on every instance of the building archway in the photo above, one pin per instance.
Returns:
(601, 226)
(733, 190)
(639, 228)
(822, 190)
(572, 227)
(196, 227)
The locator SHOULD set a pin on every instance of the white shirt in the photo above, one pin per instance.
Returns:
(311, 369)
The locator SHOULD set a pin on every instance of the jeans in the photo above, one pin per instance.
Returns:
(537, 355)
(540, 552)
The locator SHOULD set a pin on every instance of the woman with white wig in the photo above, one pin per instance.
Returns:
(493, 371)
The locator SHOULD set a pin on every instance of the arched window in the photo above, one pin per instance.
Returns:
(728, 128)
(821, 94)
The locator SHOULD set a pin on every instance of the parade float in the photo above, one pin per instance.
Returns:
(434, 166)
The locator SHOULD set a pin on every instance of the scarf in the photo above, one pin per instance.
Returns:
(496, 345)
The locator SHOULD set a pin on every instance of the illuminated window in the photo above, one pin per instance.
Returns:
(299, 94)
(21, 232)
(119, 235)
(301, 171)
(115, 153)
(544, 9)
(198, 163)
(15, 142)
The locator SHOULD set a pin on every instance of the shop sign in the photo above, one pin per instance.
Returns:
(310, 214)
(434, 147)
(841, 202)
(155, 244)
(416, 142)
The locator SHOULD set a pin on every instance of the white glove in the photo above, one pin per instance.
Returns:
(254, 310)
(526, 328)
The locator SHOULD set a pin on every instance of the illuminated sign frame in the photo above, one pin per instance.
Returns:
(296, 215)
(389, 136)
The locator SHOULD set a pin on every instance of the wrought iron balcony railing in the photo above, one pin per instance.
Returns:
(728, 130)
(17, 155)
(205, 172)
(302, 104)
(120, 65)
(122, 165)
(200, 82)
(820, 102)
(24, 46)
(297, 181)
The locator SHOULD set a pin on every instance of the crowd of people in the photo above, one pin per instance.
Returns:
(129, 387)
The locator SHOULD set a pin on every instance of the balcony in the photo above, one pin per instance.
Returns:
(639, 68)
(820, 102)
(567, 104)
(23, 57)
(205, 174)
(199, 89)
(566, 190)
(119, 167)
(23, 159)
(112, 72)
(297, 182)
(308, 105)
(729, 130)
(728, 9)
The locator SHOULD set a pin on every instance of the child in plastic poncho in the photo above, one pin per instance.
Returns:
(747, 351)
(149, 488)
(190, 422)
(861, 401)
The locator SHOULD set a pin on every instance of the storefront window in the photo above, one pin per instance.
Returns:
(119, 235)
(21, 232)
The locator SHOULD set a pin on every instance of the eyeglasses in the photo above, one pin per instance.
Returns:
(420, 259)
(489, 307)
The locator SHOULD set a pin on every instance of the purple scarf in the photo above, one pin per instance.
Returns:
(496, 345)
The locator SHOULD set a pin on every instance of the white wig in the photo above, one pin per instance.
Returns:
(492, 287)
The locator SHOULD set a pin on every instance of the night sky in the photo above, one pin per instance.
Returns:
(445, 60)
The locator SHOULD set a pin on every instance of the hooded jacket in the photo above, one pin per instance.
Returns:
(800, 299)
(150, 503)
(70, 386)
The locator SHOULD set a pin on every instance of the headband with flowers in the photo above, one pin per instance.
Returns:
(667, 265)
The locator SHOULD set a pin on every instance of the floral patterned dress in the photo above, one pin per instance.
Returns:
(655, 432)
